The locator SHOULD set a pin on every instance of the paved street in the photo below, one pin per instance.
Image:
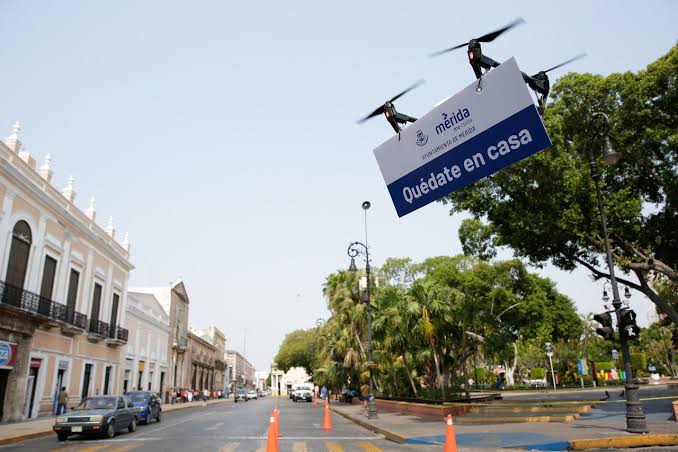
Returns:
(230, 427)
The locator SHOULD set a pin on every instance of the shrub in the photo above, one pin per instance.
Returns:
(537, 373)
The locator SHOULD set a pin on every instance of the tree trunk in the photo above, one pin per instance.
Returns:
(510, 371)
(409, 376)
(439, 377)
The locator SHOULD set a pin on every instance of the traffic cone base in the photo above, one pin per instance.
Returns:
(272, 442)
(276, 416)
(450, 436)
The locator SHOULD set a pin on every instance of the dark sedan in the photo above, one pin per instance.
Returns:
(148, 403)
(102, 415)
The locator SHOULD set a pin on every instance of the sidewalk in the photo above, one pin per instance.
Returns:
(598, 425)
(20, 431)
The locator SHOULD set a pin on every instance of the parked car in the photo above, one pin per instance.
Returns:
(101, 415)
(251, 394)
(240, 395)
(303, 393)
(149, 402)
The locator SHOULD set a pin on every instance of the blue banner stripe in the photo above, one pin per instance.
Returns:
(482, 157)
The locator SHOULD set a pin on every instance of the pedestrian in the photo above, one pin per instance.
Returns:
(365, 390)
(190, 396)
(206, 395)
(62, 401)
(349, 396)
(323, 392)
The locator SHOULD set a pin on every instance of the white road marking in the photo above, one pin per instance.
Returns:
(215, 426)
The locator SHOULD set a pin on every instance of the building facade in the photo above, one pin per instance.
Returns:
(241, 371)
(174, 301)
(62, 294)
(283, 382)
(214, 336)
(146, 364)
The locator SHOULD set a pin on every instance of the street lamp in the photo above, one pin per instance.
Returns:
(635, 417)
(354, 250)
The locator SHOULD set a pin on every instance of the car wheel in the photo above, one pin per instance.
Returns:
(62, 436)
(110, 430)
(157, 418)
(132, 425)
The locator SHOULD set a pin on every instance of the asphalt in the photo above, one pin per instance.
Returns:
(230, 427)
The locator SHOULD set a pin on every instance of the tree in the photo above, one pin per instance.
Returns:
(544, 207)
(297, 350)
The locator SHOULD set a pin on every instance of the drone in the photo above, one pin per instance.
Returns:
(393, 117)
(481, 63)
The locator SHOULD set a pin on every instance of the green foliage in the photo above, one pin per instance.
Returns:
(639, 363)
(538, 373)
(605, 365)
(544, 208)
(297, 350)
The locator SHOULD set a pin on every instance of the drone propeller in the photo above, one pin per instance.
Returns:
(382, 109)
(489, 37)
(578, 57)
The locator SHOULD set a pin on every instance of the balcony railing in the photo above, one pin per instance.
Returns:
(98, 327)
(31, 302)
(122, 333)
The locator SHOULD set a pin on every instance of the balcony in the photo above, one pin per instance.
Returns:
(97, 331)
(117, 336)
(48, 312)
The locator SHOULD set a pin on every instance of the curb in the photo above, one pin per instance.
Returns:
(625, 441)
(24, 437)
(33, 435)
(506, 419)
(388, 434)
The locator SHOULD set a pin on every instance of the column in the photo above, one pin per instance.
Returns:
(17, 381)
(64, 270)
(6, 227)
(37, 247)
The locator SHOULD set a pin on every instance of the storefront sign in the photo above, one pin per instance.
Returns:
(36, 362)
(489, 125)
(7, 355)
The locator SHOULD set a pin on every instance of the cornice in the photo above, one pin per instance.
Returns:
(74, 223)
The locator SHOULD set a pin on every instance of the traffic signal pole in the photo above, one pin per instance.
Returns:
(635, 417)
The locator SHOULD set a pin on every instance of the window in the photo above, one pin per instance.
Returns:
(72, 297)
(18, 257)
(47, 287)
(114, 314)
(121, 403)
(96, 302)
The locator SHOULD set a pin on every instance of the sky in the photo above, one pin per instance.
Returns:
(222, 135)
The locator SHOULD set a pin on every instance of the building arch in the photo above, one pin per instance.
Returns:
(19, 254)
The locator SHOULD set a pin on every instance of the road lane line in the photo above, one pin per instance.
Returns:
(334, 447)
(93, 448)
(299, 447)
(166, 426)
(369, 447)
(215, 426)
(125, 448)
(229, 447)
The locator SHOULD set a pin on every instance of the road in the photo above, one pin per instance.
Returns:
(230, 427)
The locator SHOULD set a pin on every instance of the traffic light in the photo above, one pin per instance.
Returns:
(606, 330)
(629, 327)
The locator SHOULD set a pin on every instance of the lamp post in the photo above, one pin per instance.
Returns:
(635, 417)
(355, 249)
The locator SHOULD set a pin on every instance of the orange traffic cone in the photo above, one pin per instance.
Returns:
(450, 437)
(327, 423)
(276, 416)
(272, 443)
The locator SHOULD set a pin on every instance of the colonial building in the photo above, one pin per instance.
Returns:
(174, 301)
(283, 382)
(63, 291)
(146, 358)
(215, 337)
(241, 371)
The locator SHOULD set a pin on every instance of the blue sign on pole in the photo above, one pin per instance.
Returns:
(467, 137)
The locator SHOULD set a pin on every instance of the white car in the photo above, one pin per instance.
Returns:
(303, 393)
(251, 394)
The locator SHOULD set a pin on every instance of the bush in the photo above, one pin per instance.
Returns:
(639, 363)
(588, 380)
(537, 373)
(605, 365)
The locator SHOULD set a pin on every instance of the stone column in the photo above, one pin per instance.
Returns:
(38, 243)
(15, 394)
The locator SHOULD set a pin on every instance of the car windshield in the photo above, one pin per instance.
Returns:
(138, 396)
(240, 391)
(97, 403)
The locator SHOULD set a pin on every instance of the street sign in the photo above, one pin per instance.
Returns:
(615, 354)
(582, 367)
(7, 355)
(489, 125)
(549, 349)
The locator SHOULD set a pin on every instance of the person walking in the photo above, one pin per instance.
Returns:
(323, 392)
(62, 401)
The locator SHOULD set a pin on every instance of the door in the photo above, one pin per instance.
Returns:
(4, 375)
(107, 378)
(72, 297)
(121, 415)
(85, 381)
(96, 303)
(114, 315)
(47, 286)
(57, 390)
